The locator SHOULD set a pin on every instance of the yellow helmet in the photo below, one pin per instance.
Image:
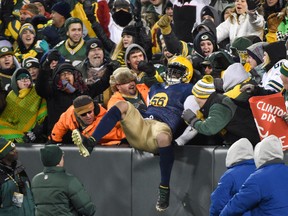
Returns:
(180, 70)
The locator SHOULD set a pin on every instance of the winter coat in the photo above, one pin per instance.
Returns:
(69, 121)
(59, 193)
(264, 193)
(8, 188)
(223, 115)
(59, 101)
(142, 89)
(24, 110)
(244, 25)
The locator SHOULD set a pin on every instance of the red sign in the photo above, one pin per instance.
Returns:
(267, 111)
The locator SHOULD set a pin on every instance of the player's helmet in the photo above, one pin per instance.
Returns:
(180, 70)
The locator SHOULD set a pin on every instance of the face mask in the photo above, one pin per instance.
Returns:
(122, 18)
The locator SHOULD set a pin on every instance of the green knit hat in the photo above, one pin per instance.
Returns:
(284, 69)
(51, 155)
(5, 147)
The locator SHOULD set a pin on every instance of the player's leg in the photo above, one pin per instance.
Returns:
(166, 154)
(107, 123)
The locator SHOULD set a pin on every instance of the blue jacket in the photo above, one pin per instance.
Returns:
(229, 184)
(265, 193)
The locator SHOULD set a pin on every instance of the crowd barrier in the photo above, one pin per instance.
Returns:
(124, 181)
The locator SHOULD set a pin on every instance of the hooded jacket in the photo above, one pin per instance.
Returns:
(240, 164)
(265, 191)
(5, 75)
(58, 100)
(24, 109)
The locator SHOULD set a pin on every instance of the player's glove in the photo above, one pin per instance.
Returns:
(147, 67)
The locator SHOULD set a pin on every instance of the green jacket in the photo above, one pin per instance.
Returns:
(231, 119)
(59, 193)
(10, 177)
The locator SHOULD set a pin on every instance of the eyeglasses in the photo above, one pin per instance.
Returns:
(207, 66)
(64, 74)
(84, 114)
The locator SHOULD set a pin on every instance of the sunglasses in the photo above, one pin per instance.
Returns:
(84, 114)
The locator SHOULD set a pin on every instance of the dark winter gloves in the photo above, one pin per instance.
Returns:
(112, 66)
(189, 117)
(147, 67)
(253, 4)
(89, 10)
(164, 24)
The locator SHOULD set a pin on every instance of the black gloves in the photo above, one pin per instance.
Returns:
(39, 19)
(253, 4)
(53, 55)
(248, 88)
(147, 67)
(189, 117)
(113, 65)
(89, 10)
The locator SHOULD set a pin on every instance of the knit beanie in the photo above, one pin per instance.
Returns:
(233, 75)
(92, 44)
(64, 67)
(268, 149)
(30, 62)
(63, 8)
(5, 147)
(129, 30)
(22, 76)
(204, 87)
(276, 51)
(27, 26)
(284, 68)
(241, 43)
(121, 75)
(51, 155)
(72, 20)
(4, 42)
(6, 51)
(256, 51)
(206, 11)
(83, 104)
(241, 150)
(30, 8)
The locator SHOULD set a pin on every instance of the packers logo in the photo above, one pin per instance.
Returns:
(159, 100)
(93, 45)
(29, 64)
(204, 37)
(4, 49)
